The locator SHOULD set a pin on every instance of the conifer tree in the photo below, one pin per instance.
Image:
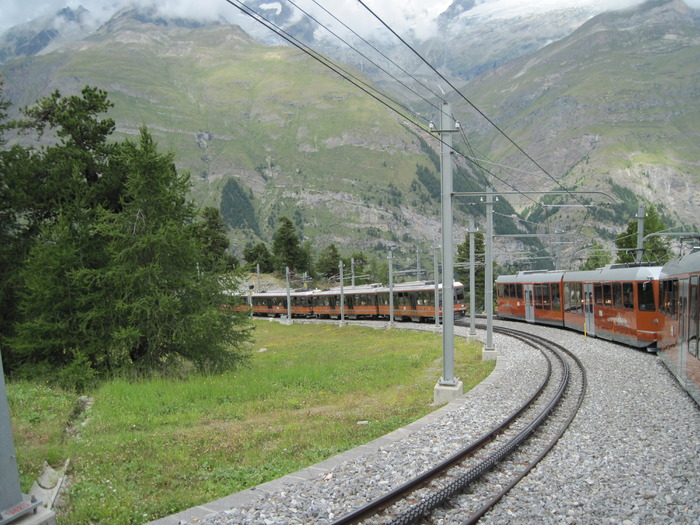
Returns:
(656, 249)
(117, 270)
(258, 255)
(462, 273)
(286, 249)
(328, 261)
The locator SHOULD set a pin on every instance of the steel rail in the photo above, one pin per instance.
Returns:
(475, 516)
(440, 496)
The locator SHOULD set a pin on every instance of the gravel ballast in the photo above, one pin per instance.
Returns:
(631, 456)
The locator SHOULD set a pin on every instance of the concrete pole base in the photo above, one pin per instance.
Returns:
(447, 393)
(41, 516)
(489, 355)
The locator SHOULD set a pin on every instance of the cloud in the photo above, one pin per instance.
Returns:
(417, 16)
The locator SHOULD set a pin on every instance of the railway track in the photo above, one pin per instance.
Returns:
(475, 478)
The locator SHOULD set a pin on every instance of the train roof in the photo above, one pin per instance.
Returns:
(358, 289)
(611, 272)
(418, 286)
(537, 276)
(616, 272)
(281, 291)
(689, 263)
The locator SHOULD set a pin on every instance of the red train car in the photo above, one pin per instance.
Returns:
(617, 302)
(412, 302)
(274, 303)
(532, 296)
(415, 301)
(679, 345)
(360, 302)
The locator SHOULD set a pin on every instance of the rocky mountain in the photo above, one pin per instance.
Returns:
(614, 107)
(265, 131)
(46, 34)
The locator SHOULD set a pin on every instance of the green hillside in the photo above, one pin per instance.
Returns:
(615, 103)
(267, 132)
(278, 131)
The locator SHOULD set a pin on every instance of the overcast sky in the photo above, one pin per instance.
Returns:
(418, 15)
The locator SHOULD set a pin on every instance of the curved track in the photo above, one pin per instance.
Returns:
(476, 477)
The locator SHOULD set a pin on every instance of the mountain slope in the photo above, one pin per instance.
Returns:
(614, 105)
(264, 131)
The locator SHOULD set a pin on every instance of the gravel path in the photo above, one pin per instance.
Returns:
(632, 455)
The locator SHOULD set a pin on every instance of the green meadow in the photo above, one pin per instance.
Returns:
(150, 447)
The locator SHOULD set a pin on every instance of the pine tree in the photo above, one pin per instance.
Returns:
(258, 255)
(211, 231)
(328, 261)
(286, 249)
(656, 249)
(161, 298)
(462, 273)
(117, 271)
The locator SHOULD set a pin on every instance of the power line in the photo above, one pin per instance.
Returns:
(371, 90)
(377, 50)
(467, 100)
(340, 71)
(357, 50)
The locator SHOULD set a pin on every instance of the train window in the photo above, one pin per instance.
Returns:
(694, 316)
(556, 300)
(617, 295)
(573, 292)
(607, 294)
(519, 290)
(459, 296)
(628, 295)
(598, 289)
(670, 297)
(502, 290)
(546, 297)
(645, 297)
(538, 296)
(401, 299)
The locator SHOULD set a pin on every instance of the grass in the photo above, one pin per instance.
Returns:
(154, 447)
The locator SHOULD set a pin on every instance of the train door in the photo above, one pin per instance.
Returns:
(694, 317)
(588, 309)
(529, 303)
(682, 312)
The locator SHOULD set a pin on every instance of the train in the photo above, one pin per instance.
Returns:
(617, 302)
(679, 304)
(412, 301)
(650, 307)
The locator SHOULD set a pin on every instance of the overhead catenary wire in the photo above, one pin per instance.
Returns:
(380, 97)
(457, 91)
(408, 114)
(349, 76)
(377, 50)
